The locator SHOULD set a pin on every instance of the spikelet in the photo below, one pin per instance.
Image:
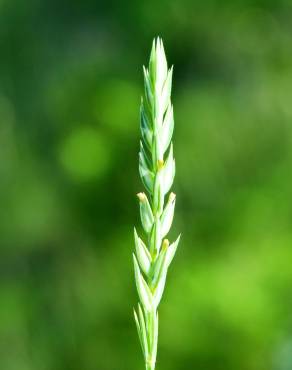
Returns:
(157, 170)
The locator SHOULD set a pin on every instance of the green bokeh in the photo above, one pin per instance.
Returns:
(70, 87)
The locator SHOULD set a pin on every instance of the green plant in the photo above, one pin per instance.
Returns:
(157, 170)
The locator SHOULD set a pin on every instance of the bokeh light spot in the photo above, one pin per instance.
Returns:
(118, 106)
(85, 154)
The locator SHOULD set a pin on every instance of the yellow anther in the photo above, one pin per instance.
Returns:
(160, 164)
(142, 197)
(165, 244)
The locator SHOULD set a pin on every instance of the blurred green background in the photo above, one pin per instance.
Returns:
(70, 87)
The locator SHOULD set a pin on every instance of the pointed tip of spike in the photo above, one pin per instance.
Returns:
(157, 43)
(159, 39)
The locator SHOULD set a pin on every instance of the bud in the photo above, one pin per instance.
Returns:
(167, 215)
(165, 244)
(145, 212)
